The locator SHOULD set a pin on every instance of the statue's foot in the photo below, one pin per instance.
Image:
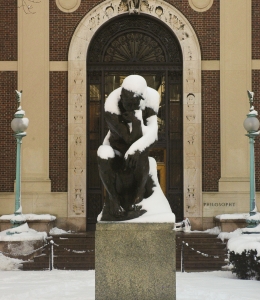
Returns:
(116, 210)
(128, 216)
(134, 207)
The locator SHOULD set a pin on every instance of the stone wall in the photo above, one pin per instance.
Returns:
(210, 130)
(206, 26)
(255, 29)
(8, 85)
(256, 89)
(59, 131)
(8, 30)
(63, 25)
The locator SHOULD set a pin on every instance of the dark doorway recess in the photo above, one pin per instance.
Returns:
(136, 44)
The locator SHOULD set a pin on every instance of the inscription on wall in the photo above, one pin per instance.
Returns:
(216, 204)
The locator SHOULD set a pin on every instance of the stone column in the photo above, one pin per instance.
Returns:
(235, 80)
(33, 79)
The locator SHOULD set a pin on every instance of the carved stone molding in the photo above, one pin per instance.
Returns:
(77, 72)
(200, 5)
(68, 6)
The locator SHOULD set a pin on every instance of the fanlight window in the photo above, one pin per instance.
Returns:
(134, 47)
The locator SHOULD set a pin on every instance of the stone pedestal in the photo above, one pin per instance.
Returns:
(229, 225)
(135, 261)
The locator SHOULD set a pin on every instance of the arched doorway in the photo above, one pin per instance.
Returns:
(136, 44)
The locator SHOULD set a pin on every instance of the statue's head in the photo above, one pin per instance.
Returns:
(130, 100)
(133, 92)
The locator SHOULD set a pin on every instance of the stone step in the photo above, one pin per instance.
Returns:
(32, 266)
(72, 258)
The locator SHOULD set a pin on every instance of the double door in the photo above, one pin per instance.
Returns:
(168, 150)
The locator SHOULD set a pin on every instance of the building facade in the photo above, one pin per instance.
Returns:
(67, 56)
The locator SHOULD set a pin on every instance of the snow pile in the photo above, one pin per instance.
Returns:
(244, 242)
(57, 230)
(22, 233)
(233, 216)
(29, 217)
(228, 235)
(215, 230)
(244, 216)
(242, 239)
(9, 264)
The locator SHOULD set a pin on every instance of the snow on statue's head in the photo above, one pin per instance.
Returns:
(137, 85)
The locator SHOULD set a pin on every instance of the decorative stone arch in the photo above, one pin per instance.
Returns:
(77, 77)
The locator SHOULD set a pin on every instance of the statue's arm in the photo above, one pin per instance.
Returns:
(117, 125)
(149, 136)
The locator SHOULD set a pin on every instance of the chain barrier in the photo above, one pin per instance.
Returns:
(199, 252)
(51, 257)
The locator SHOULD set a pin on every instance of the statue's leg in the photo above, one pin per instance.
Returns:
(141, 173)
(107, 172)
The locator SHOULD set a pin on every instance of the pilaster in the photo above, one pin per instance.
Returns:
(33, 79)
(235, 80)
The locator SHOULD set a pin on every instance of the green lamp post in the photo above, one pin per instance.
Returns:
(19, 124)
(251, 125)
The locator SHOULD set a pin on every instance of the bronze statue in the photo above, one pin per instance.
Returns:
(131, 116)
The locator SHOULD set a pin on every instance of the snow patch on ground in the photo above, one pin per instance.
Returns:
(9, 264)
(78, 285)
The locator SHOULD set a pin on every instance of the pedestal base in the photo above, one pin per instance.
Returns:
(135, 261)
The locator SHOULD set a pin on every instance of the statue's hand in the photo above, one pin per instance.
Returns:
(129, 116)
(131, 160)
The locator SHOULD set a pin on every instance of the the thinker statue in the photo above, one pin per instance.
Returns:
(131, 115)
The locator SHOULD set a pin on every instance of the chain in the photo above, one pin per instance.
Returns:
(201, 253)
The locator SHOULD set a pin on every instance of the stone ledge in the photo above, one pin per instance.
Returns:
(229, 225)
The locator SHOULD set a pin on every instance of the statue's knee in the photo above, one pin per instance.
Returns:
(105, 152)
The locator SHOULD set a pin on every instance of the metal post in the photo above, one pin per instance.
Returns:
(252, 174)
(51, 256)
(19, 124)
(251, 125)
(182, 257)
(18, 175)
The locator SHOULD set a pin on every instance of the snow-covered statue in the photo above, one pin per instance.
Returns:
(124, 166)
